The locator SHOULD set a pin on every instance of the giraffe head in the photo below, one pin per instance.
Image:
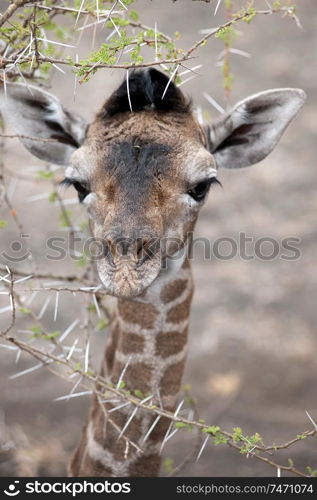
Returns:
(144, 166)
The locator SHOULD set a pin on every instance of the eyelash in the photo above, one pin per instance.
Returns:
(199, 192)
(82, 190)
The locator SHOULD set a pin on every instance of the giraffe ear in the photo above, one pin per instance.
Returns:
(251, 130)
(35, 113)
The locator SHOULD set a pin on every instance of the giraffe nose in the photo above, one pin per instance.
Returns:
(140, 247)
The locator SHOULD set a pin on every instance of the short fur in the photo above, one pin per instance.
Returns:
(137, 172)
(146, 90)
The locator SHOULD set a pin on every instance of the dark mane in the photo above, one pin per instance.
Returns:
(146, 89)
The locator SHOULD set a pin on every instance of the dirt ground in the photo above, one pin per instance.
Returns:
(253, 340)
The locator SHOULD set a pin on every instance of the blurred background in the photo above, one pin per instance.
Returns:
(252, 356)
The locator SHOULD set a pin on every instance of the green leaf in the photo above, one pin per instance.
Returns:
(138, 394)
(3, 224)
(25, 310)
(102, 324)
(127, 2)
(168, 465)
(82, 261)
(52, 197)
(301, 436)
(213, 430)
(312, 472)
(91, 308)
(224, 34)
(36, 329)
(52, 335)
(220, 439)
(64, 218)
(237, 434)
(44, 174)
(134, 15)
(180, 425)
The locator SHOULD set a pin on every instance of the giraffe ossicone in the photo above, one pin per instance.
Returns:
(143, 176)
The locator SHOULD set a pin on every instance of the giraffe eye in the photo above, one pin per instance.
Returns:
(199, 191)
(81, 189)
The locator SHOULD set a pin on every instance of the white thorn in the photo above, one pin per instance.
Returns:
(4, 83)
(72, 350)
(9, 347)
(75, 85)
(128, 421)
(169, 81)
(128, 91)
(311, 419)
(217, 7)
(59, 69)
(123, 405)
(75, 387)
(214, 103)
(18, 356)
(155, 41)
(171, 435)
(170, 426)
(151, 428)
(75, 395)
(239, 52)
(123, 372)
(115, 27)
(56, 305)
(46, 303)
(23, 279)
(87, 357)
(124, 6)
(68, 330)
(187, 80)
(25, 372)
(56, 43)
(79, 12)
(96, 305)
(5, 309)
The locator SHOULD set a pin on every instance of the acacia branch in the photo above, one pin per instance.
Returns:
(30, 138)
(105, 386)
(11, 10)
(5, 61)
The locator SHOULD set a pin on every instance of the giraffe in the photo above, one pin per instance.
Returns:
(143, 168)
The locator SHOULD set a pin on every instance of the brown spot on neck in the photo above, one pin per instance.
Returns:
(181, 311)
(137, 376)
(172, 378)
(170, 343)
(173, 290)
(141, 314)
(131, 343)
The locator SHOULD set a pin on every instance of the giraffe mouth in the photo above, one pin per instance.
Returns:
(127, 278)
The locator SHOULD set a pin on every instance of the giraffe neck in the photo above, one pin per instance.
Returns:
(146, 352)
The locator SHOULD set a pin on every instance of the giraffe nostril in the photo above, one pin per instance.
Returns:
(110, 245)
(141, 247)
(147, 248)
